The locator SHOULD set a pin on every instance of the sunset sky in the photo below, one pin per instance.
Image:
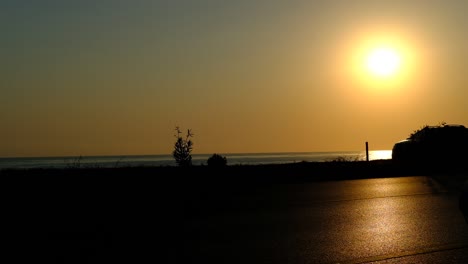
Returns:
(96, 77)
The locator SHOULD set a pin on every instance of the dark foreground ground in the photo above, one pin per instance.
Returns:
(141, 214)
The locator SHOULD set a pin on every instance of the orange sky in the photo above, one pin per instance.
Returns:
(116, 77)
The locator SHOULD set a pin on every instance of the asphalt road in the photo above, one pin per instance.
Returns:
(387, 220)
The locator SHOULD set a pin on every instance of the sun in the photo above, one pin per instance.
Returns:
(383, 62)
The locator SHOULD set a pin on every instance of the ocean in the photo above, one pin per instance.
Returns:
(197, 159)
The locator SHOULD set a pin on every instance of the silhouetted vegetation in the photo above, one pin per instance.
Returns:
(423, 128)
(182, 148)
(440, 145)
(75, 163)
(217, 160)
(346, 159)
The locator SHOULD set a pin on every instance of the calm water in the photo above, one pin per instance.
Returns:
(198, 159)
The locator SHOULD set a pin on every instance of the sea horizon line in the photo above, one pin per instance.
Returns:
(193, 154)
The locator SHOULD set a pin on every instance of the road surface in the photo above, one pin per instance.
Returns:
(387, 220)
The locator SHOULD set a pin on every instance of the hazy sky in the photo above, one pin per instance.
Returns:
(115, 77)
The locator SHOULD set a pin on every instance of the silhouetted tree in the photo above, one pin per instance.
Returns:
(183, 148)
(217, 161)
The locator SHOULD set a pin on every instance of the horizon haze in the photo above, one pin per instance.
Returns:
(116, 77)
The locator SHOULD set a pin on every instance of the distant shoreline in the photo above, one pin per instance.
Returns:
(298, 171)
(197, 159)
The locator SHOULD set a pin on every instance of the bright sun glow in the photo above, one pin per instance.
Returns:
(383, 62)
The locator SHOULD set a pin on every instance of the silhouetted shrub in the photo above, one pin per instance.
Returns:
(217, 161)
(346, 159)
(75, 163)
(183, 148)
(433, 145)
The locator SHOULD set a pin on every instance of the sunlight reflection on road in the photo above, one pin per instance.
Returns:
(379, 228)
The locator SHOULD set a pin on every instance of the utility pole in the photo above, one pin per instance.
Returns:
(367, 151)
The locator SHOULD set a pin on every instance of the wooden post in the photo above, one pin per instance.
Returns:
(367, 151)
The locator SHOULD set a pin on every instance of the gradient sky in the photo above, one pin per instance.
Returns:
(115, 77)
